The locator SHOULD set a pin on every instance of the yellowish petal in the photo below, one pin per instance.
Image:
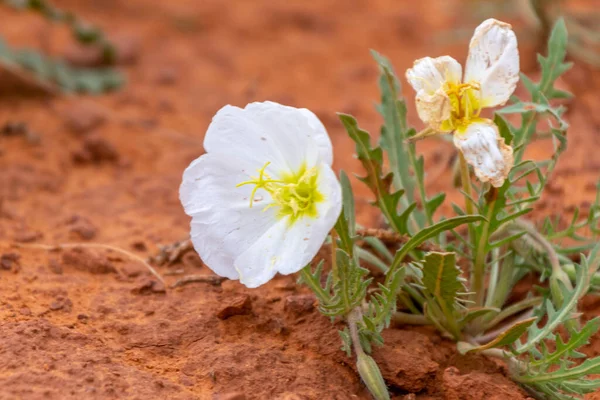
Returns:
(484, 149)
(428, 77)
(493, 62)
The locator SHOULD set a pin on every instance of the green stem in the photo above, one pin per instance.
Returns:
(512, 310)
(465, 179)
(477, 282)
(504, 283)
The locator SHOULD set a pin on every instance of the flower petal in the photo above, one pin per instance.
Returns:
(288, 248)
(493, 62)
(320, 135)
(223, 224)
(486, 151)
(429, 74)
(428, 77)
(281, 135)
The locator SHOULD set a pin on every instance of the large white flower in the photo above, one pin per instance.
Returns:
(449, 102)
(264, 197)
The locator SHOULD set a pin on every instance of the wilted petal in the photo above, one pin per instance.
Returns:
(493, 62)
(428, 77)
(486, 151)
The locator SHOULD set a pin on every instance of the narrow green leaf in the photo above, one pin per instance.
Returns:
(509, 336)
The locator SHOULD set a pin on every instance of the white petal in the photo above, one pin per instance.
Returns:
(430, 74)
(486, 151)
(320, 135)
(288, 248)
(268, 131)
(223, 224)
(427, 77)
(493, 62)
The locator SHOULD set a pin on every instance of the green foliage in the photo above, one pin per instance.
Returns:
(49, 73)
(500, 247)
(442, 279)
(379, 183)
(83, 32)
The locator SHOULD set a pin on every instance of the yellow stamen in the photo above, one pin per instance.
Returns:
(466, 107)
(295, 194)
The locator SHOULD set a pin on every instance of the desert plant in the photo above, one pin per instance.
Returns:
(438, 273)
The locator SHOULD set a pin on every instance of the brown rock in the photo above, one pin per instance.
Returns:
(9, 261)
(407, 361)
(55, 266)
(478, 385)
(82, 228)
(299, 304)
(95, 149)
(149, 286)
(27, 236)
(236, 305)
(85, 260)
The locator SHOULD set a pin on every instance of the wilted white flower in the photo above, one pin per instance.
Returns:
(264, 197)
(449, 102)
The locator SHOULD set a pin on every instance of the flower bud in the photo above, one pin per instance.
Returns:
(371, 376)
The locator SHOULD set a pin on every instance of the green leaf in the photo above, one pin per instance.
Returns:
(434, 203)
(476, 312)
(569, 349)
(394, 131)
(428, 233)
(348, 202)
(380, 184)
(557, 317)
(442, 279)
(509, 336)
(504, 128)
(553, 65)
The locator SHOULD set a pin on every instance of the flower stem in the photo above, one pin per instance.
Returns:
(477, 282)
(401, 318)
(465, 179)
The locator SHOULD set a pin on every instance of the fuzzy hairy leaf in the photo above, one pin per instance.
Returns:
(442, 279)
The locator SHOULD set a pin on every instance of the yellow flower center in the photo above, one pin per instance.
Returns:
(296, 195)
(464, 100)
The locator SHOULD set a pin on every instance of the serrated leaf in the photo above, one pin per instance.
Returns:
(568, 349)
(441, 278)
(394, 131)
(380, 184)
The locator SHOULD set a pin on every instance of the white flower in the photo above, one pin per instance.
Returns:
(448, 103)
(264, 197)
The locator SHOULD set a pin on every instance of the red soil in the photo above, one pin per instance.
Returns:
(95, 324)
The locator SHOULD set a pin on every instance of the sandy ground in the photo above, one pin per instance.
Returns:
(94, 324)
